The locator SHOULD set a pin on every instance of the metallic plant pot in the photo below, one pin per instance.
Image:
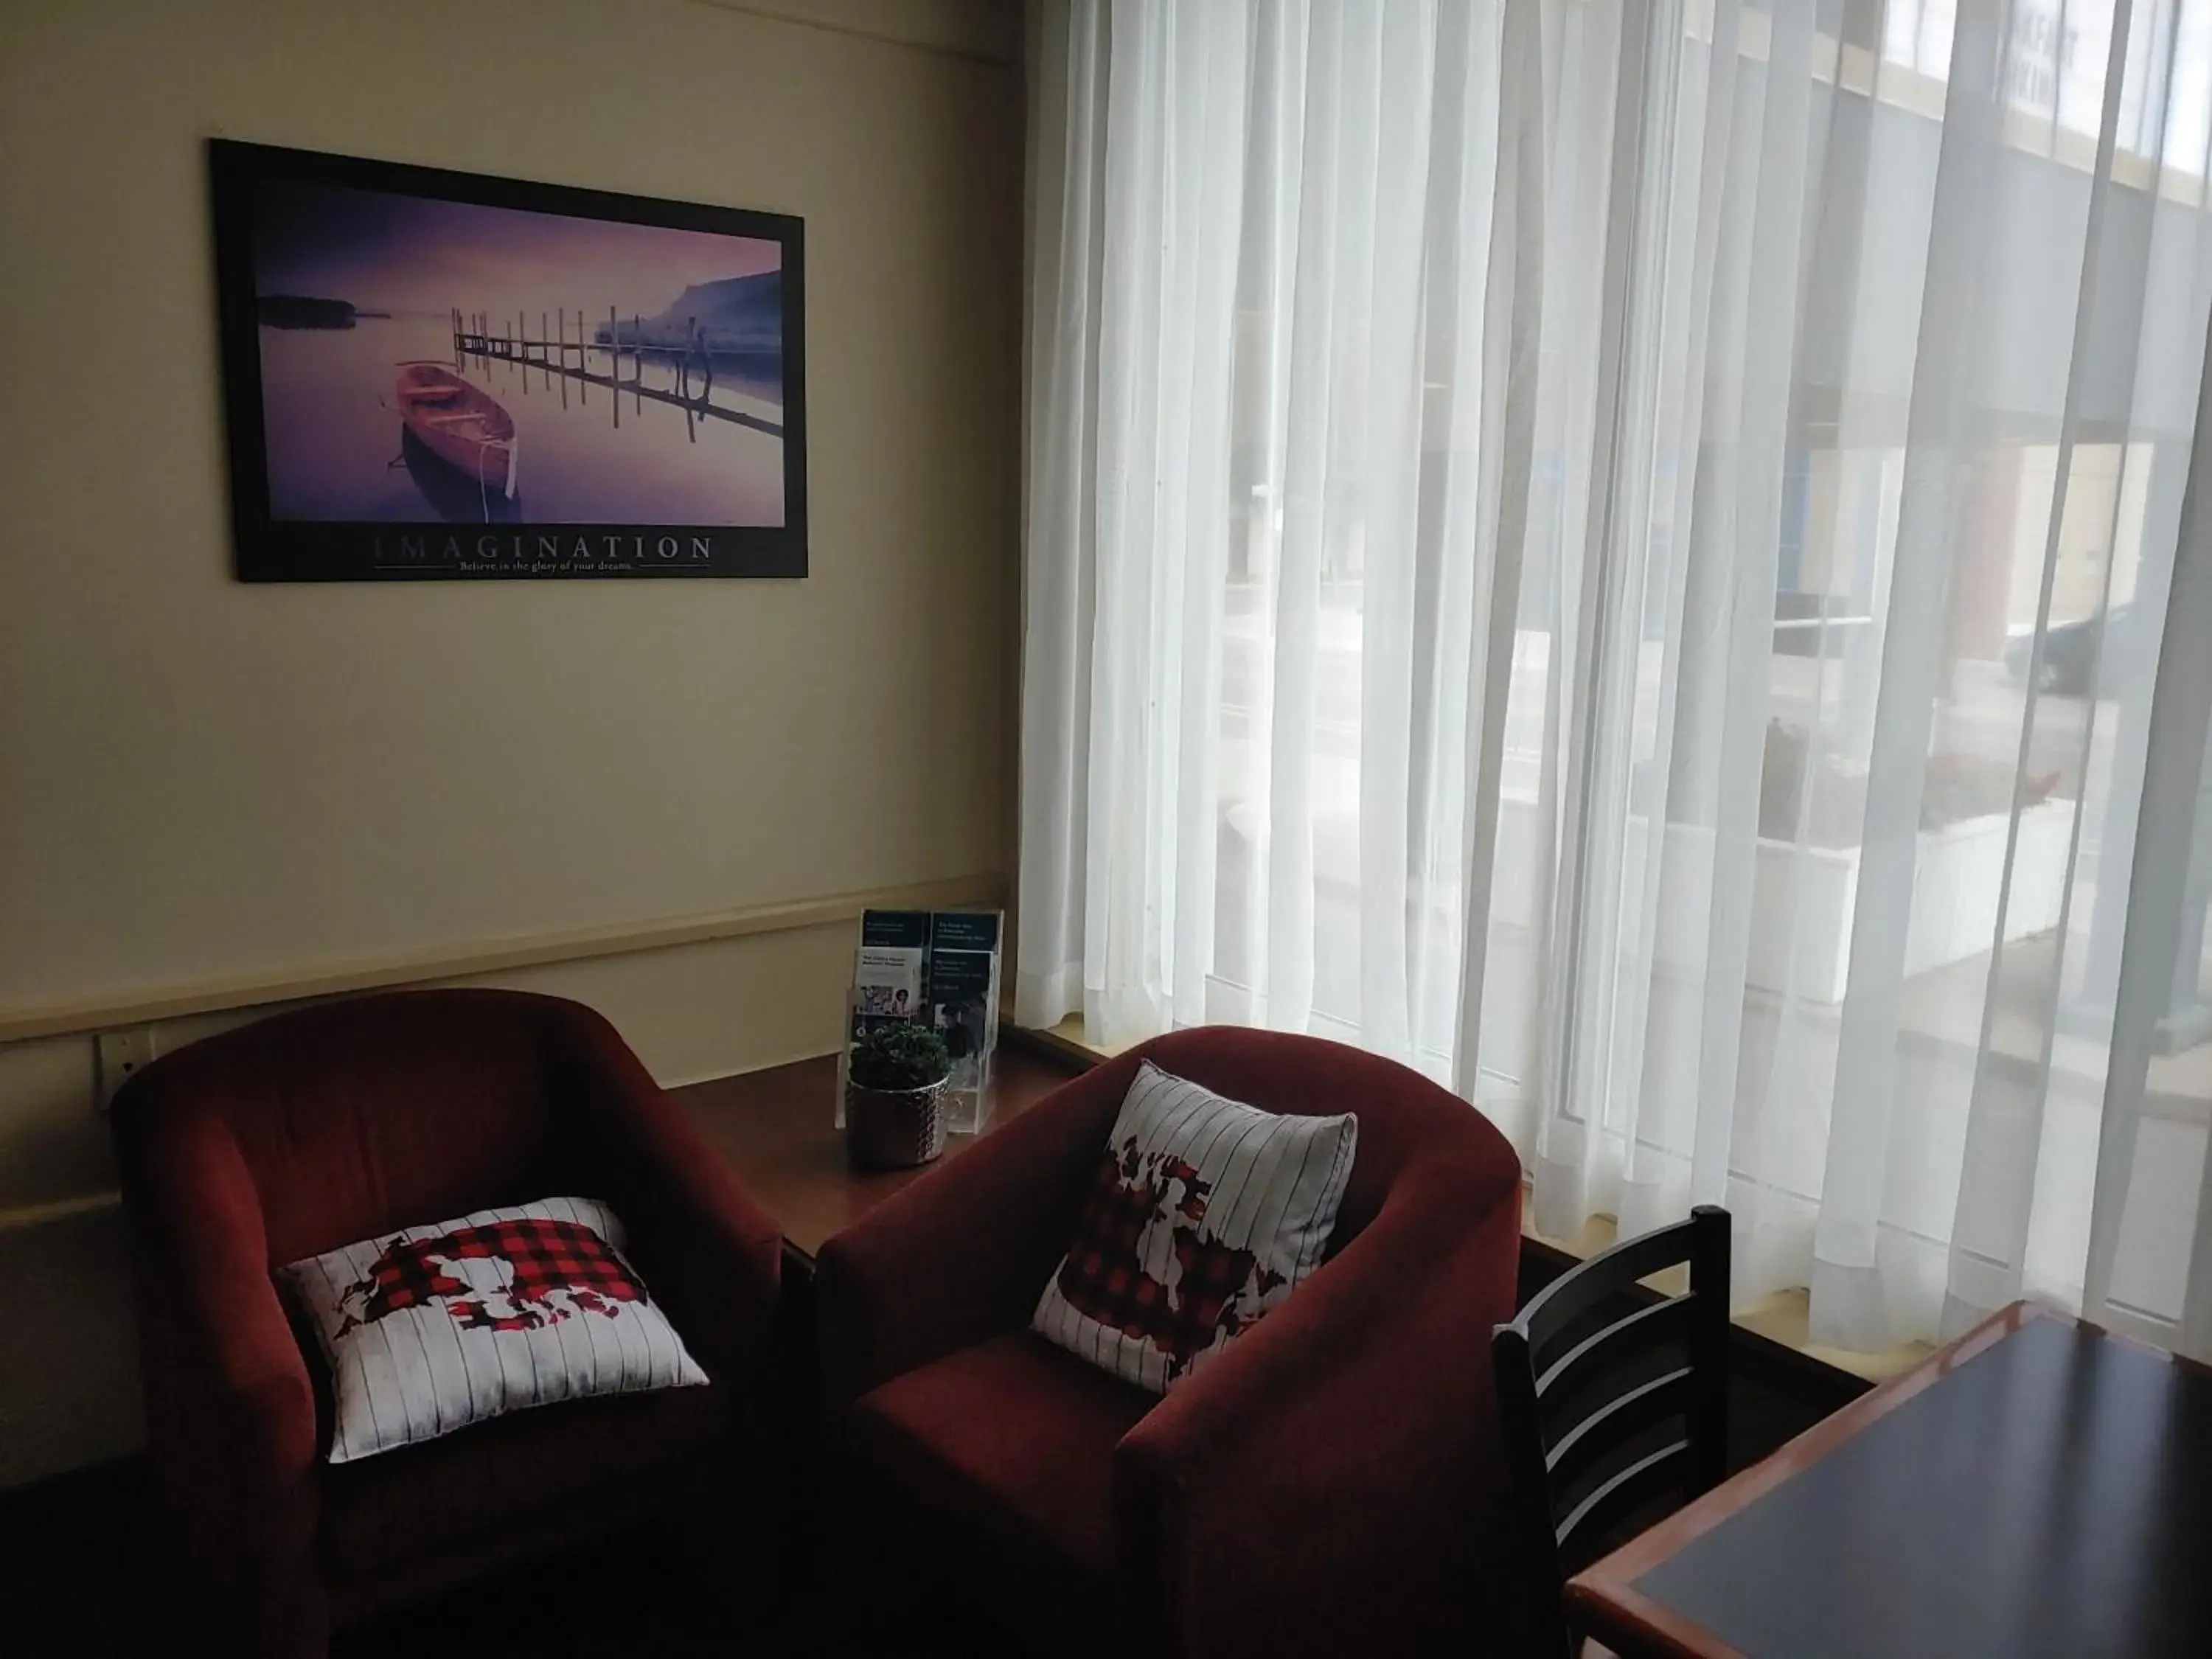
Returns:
(894, 1129)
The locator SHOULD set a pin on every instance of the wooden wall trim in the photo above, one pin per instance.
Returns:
(467, 961)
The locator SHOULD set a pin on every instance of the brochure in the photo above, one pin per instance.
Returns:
(937, 966)
(964, 992)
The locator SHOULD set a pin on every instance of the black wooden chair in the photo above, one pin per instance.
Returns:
(1611, 1400)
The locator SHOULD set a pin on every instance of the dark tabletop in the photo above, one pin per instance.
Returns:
(2042, 1491)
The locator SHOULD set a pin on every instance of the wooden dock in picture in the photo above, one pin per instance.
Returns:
(562, 362)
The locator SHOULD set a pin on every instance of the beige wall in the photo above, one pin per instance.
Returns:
(201, 781)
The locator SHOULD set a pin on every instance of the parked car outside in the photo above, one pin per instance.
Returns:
(2070, 650)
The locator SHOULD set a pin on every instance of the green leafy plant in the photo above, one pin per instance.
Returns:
(900, 1056)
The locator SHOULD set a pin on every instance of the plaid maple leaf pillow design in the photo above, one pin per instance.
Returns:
(1205, 1213)
(429, 1329)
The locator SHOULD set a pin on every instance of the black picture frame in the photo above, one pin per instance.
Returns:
(506, 542)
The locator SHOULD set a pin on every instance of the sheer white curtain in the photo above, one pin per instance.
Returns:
(1273, 250)
(1621, 551)
(1903, 376)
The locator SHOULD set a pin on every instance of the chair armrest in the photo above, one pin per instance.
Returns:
(1346, 1440)
(962, 1254)
(195, 1226)
(229, 1403)
(709, 1254)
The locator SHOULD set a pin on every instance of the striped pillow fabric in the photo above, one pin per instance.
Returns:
(1205, 1213)
(432, 1329)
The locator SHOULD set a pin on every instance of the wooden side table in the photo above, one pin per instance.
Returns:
(778, 1130)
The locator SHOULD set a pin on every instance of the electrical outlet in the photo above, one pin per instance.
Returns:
(123, 1055)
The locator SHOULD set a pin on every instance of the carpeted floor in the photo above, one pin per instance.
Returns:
(75, 1583)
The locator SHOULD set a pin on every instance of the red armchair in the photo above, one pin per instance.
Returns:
(315, 1129)
(1332, 1485)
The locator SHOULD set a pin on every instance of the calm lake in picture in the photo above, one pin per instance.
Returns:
(426, 359)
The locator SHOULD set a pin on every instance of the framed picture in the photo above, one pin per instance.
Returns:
(437, 375)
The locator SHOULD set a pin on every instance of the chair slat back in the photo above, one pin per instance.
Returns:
(1563, 1382)
(1585, 1411)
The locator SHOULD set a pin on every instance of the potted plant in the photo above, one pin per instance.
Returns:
(895, 1096)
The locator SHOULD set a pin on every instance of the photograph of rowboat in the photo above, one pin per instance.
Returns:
(424, 360)
(460, 425)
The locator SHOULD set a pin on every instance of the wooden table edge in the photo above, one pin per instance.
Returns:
(1602, 1599)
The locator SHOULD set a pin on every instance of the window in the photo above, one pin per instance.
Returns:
(1627, 569)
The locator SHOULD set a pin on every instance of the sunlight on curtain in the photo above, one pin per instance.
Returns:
(1263, 552)
(1850, 699)
(1619, 552)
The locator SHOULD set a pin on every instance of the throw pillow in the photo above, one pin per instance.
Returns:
(1205, 1213)
(429, 1329)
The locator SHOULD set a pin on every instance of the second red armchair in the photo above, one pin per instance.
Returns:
(1331, 1485)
